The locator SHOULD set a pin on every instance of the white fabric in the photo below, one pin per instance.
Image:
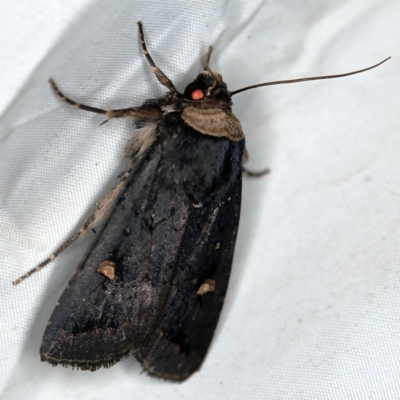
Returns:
(312, 310)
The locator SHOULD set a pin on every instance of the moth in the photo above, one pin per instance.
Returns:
(154, 280)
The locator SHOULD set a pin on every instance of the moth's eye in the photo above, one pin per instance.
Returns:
(195, 91)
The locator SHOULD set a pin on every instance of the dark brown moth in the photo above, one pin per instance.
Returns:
(154, 279)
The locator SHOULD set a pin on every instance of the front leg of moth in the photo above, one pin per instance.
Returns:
(102, 210)
(146, 112)
(142, 112)
(163, 79)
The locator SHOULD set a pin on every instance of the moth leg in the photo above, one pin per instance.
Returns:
(71, 240)
(102, 210)
(245, 171)
(157, 71)
(143, 112)
(255, 174)
(74, 103)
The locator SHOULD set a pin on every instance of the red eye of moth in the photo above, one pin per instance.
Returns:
(194, 91)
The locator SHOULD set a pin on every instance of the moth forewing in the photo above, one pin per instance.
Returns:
(155, 277)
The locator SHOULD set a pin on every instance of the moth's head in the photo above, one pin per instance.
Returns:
(207, 85)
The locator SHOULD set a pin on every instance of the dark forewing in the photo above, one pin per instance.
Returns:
(174, 227)
(181, 339)
(98, 319)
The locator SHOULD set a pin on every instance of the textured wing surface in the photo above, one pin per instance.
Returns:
(97, 319)
(180, 340)
(157, 236)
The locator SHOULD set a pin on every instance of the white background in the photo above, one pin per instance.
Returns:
(313, 308)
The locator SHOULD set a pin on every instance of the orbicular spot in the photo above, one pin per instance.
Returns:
(107, 268)
(207, 286)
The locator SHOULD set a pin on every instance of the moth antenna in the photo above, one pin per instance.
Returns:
(157, 71)
(213, 73)
(313, 78)
(207, 58)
